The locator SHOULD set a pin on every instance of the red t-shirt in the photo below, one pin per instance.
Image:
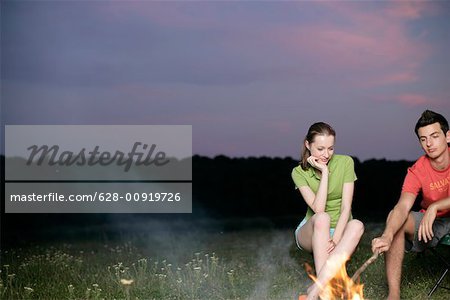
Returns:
(433, 184)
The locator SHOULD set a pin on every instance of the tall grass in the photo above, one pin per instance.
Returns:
(56, 274)
(249, 264)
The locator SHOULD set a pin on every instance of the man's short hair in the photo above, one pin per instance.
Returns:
(429, 117)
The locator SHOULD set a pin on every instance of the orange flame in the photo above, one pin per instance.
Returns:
(341, 286)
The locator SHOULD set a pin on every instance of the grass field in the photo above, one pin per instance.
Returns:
(179, 261)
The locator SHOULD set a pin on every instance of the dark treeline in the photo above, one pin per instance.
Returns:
(255, 187)
(243, 189)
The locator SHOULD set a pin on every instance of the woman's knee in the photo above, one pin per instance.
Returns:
(356, 227)
(321, 221)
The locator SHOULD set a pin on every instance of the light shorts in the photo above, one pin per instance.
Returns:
(303, 222)
(441, 227)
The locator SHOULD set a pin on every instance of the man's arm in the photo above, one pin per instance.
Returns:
(426, 225)
(397, 217)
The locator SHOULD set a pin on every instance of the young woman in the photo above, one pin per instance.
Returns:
(326, 182)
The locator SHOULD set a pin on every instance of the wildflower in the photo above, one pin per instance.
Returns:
(71, 289)
(126, 282)
(28, 289)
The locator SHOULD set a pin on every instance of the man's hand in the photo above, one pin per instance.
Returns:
(426, 225)
(381, 244)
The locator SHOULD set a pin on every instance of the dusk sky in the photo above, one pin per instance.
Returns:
(250, 77)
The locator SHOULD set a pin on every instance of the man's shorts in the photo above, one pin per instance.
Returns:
(441, 227)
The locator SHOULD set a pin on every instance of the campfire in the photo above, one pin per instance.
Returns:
(341, 286)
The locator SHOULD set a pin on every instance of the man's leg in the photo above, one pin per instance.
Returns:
(394, 257)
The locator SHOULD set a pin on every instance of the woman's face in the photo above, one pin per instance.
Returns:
(322, 147)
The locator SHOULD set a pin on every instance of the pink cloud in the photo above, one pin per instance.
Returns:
(414, 99)
(372, 40)
(393, 78)
(409, 9)
(432, 101)
(281, 126)
(375, 43)
(435, 101)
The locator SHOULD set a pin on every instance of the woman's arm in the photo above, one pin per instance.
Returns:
(346, 208)
(316, 201)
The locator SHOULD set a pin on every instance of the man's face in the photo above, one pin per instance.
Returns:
(433, 140)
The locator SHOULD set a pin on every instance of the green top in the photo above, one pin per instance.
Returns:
(341, 168)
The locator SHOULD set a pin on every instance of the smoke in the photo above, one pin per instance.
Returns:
(172, 237)
(279, 269)
(263, 259)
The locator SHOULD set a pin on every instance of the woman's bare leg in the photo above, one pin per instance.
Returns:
(350, 239)
(314, 236)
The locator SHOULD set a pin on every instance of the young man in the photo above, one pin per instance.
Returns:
(430, 175)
